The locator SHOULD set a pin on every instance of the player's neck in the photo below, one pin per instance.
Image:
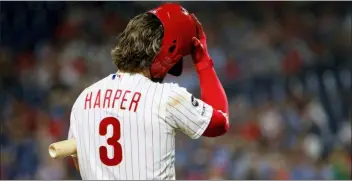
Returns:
(145, 73)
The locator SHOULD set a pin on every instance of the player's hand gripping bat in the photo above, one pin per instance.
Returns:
(63, 149)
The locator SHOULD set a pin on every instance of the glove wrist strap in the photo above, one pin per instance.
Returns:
(207, 63)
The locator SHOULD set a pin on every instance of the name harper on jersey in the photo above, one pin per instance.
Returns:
(109, 98)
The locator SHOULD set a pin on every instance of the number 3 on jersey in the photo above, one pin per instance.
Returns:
(112, 141)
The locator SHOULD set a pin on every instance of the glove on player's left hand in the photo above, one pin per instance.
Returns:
(200, 54)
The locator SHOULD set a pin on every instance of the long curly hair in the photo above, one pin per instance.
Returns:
(138, 44)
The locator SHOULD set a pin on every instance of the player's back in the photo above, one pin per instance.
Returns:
(120, 130)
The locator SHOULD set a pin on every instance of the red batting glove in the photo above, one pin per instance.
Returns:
(200, 54)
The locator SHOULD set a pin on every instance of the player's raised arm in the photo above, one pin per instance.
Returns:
(209, 116)
(212, 91)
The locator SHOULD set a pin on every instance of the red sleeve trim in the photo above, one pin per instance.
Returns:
(218, 125)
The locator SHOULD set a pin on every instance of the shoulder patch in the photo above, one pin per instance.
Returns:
(194, 101)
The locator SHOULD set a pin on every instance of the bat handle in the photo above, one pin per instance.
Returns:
(63, 148)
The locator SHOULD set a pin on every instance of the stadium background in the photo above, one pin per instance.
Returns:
(286, 67)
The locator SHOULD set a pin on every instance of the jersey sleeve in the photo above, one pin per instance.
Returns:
(186, 113)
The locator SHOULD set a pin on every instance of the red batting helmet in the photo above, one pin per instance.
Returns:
(179, 28)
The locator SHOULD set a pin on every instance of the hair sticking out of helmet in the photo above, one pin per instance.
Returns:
(179, 28)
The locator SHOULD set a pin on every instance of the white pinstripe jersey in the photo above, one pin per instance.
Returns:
(125, 127)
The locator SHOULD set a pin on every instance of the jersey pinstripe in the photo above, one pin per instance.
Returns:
(135, 120)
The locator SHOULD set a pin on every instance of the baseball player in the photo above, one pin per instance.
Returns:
(125, 124)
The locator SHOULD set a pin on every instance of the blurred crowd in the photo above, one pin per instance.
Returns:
(286, 68)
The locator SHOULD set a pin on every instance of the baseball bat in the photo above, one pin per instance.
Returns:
(63, 148)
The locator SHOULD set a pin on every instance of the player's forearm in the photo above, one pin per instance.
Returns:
(213, 94)
(212, 91)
